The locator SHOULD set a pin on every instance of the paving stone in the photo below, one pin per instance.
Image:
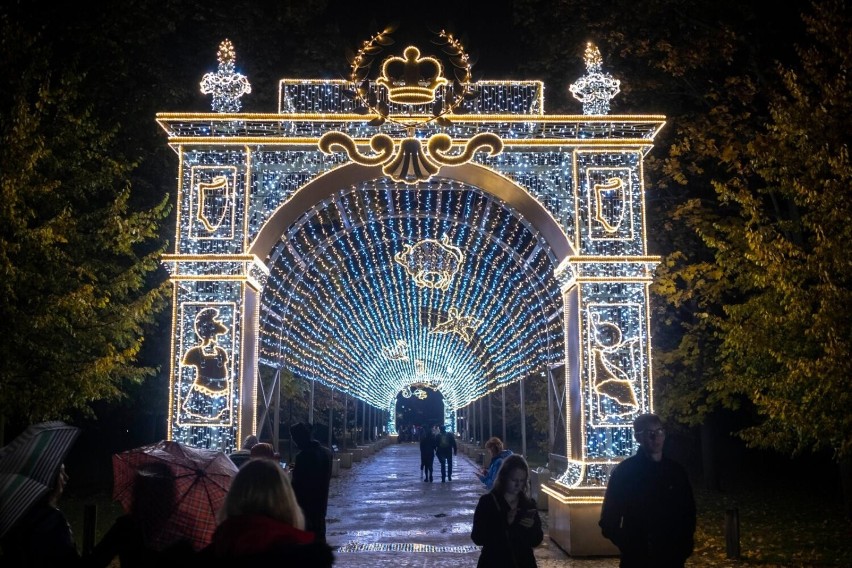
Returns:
(381, 514)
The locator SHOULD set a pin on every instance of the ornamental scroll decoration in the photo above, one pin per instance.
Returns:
(410, 82)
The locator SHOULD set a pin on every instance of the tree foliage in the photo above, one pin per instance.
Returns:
(748, 204)
(76, 258)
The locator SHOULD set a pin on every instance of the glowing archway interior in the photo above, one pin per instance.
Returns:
(343, 305)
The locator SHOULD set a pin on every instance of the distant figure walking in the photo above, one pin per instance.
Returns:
(311, 477)
(428, 442)
(445, 451)
(506, 523)
(498, 454)
(649, 509)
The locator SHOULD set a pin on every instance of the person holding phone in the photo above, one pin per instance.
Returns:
(506, 523)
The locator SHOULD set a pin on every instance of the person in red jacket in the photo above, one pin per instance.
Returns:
(262, 524)
(649, 509)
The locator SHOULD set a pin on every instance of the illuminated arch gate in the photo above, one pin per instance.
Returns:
(465, 275)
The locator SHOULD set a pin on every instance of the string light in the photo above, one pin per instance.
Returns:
(411, 284)
(226, 85)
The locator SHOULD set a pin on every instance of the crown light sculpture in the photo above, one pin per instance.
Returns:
(596, 89)
(226, 85)
(449, 235)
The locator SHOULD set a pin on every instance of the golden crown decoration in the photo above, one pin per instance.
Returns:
(411, 79)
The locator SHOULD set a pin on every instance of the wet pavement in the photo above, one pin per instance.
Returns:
(381, 514)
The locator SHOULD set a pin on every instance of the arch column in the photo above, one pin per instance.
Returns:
(216, 418)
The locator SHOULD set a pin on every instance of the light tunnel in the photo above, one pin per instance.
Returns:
(378, 287)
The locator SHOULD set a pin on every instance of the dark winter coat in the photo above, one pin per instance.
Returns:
(446, 444)
(504, 545)
(428, 442)
(649, 512)
(311, 478)
(41, 538)
(125, 539)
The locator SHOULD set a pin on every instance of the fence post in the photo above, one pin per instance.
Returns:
(732, 533)
(90, 521)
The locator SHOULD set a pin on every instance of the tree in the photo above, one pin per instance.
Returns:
(77, 261)
(769, 298)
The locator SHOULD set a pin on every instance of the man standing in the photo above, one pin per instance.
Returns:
(446, 450)
(311, 476)
(649, 509)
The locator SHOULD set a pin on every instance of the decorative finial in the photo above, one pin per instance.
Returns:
(595, 89)
(226, 85)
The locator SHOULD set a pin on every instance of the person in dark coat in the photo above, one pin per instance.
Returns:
(42, 537)
(649, 508)
(506, 523)
(311, 475)
(140, 537)
(428, 442)
(262, 524)
(445, 451)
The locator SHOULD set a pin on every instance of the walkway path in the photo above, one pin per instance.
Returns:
(382, 515)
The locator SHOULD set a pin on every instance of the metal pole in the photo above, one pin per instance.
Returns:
(276, 428)
(355, 423)
(523, 422)
(481, 423)
(363, 421)
(551, 426)
(505, 441)
(311, 405)
(330, 419)
(490, 418)
(345, 419)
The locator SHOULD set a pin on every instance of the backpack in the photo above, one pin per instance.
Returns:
(444, 440)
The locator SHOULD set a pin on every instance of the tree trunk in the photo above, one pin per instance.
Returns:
(709, 450)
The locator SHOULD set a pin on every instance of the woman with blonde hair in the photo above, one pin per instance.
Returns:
(506, 523)
(262, 521)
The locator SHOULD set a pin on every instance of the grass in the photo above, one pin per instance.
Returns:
(780, 526)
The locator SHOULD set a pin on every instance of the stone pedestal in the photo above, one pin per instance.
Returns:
(573, 521)
(345, 459)
(335, 467)
(357, 454)
(539, 477)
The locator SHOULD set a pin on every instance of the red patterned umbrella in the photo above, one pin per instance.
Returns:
(199, 480)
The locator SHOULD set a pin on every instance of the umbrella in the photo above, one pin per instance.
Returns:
(28, 466)
(198, 482)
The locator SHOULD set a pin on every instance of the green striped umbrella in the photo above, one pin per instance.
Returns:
(28, 467)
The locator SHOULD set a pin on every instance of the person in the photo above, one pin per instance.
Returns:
(139, 538)
(494, 446)
(261, 524)
(446, 449)
(42, 537)
(242, 455)
(506, 523)
(648, 510)
(263, 450)
(427, 453)
(311, 475)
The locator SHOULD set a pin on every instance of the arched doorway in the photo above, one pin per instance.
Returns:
(293, 241)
